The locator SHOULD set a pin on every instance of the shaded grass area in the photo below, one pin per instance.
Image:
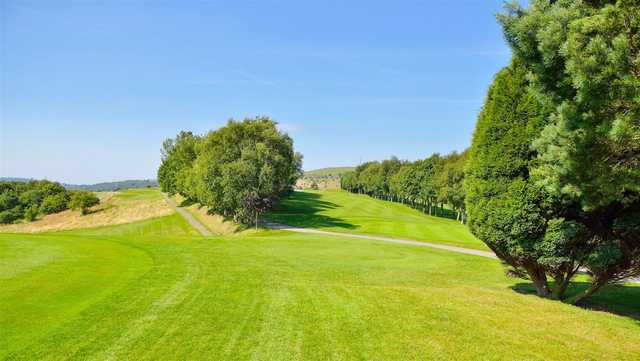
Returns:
(134, 292)
(620, 299)
(346, 212)
(216, 224)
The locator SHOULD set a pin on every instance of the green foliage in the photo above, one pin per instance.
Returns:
(54, 203)
(237, 171)
(177, 158)
(31, 212)
(83, 200)
(427, 184)
(11, 215)
(507, 209)
(26, 199)
(450, 180)
(8, 200)
(583, 59)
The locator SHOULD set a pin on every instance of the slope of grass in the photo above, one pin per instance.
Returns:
(213, 222)
(173, 225)
(346, 212)
(149, 194)
(129, 292)
(126, 206)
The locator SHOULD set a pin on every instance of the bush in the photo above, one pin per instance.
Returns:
(11, 215)
(31, 213)
(28, 199)
(8, 200)
(54, 204)
(83, 200)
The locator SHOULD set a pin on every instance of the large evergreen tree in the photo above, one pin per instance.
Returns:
(507, 210)
(583, 59)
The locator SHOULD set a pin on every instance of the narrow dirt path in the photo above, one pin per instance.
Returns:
(188, 217)
(474, 252)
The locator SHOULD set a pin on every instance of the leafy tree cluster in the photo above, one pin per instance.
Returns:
(28, 200)
(426, 184)
(553, 179)
(238, 171)
(83, 201)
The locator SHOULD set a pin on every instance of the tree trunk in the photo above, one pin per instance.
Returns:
(561, 287)
(587, 293)
(256, 221)
(539, 279)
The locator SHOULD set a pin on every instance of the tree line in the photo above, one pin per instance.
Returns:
(553, 176)
(427, 184)
(238, 171)
(30, 200)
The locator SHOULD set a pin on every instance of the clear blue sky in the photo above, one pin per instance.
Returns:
(89, 89)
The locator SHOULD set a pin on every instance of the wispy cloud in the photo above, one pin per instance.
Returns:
(290, 127)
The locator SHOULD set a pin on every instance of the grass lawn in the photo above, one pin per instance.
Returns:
(151, 290)
(347, 212)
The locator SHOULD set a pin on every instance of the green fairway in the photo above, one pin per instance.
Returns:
(136, 292)
(346, 212)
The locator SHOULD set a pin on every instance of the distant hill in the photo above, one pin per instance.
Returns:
(328, 172)
(325, 178)
(98, 187)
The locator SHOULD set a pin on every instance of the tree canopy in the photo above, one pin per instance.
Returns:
(553, 177)
(427, 184)
(238, 171)
(28, 200)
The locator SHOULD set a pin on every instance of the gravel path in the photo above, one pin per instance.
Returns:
(474, 252)
(383, 239)
(188, 217)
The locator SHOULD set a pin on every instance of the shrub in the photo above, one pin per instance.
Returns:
(31, 213)
(8, 200)
(11, 215)
(54, 203)
(83, 200)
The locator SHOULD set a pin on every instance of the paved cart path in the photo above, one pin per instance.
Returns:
(463, 250)
(383, 239)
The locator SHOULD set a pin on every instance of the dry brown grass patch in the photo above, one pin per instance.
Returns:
(111, 210)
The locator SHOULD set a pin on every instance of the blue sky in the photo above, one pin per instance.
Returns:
(89, 89)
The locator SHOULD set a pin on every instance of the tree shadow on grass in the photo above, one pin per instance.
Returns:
(303, 209)
(622, 300)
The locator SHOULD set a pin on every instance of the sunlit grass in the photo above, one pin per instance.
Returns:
(346, 212)
(149, 291)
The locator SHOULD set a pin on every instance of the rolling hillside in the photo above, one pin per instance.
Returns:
(126, 206)
(325, 178)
